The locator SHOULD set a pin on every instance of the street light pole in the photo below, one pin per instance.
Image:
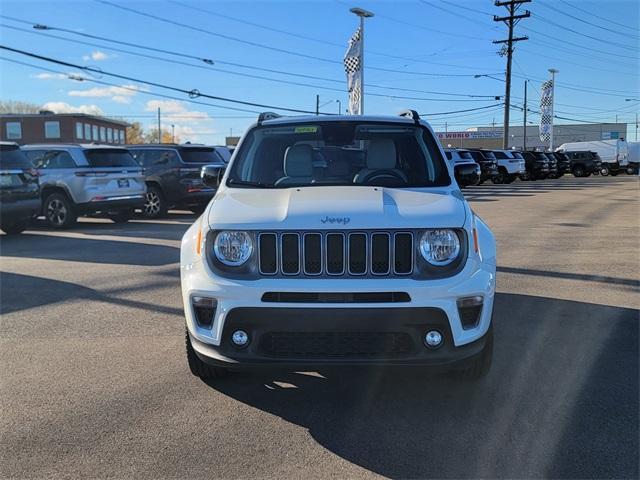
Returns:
(173, 133)
(339, 107)
(362, 13)
(553, 72)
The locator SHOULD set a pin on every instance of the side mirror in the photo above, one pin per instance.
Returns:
(467, 174)
(211, 175)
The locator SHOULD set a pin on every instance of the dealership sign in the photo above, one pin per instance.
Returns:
(470, 135)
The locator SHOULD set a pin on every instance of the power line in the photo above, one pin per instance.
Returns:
(599, 16)
(460, 111)
(255, 44)
(277, 80)
(143, 92)
(546, 5)
(563, 41)
(194, 93)
(576, 32)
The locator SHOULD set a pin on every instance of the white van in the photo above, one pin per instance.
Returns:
(634, 158)
(613, 153)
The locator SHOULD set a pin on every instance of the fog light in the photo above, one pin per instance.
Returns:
(433, 339)
(469, 310)
(240, 338)
(204, 309)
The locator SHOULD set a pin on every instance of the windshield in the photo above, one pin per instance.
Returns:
(109, 157)
(339, 153)
(200, 155)
(13, 157)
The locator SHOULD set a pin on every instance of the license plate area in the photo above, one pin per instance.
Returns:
(123, 183)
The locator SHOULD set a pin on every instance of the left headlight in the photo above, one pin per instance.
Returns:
(233, 248)
(440, 247)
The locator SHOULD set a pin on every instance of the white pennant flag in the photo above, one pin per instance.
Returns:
(546, 111)
(354, 72)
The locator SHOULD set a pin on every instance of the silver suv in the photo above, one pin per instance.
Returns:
(80, 179)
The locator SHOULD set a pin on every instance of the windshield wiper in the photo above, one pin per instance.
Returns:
(243, 183)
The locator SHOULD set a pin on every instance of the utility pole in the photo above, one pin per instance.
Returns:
(173, 133)
(553, 72)
(159, 129)
(317, 104)
(524, 134)
(510, 21)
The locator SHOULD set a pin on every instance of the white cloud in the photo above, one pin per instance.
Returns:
(49, 76)
(120, 94)
(187, 123)
(96, 56)
(62, 107)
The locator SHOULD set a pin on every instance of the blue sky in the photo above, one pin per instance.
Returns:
(429, 50)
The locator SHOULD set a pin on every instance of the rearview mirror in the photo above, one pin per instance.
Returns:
(467, 174)
(211, 175)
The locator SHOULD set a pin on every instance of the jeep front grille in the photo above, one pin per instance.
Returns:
(336, 254)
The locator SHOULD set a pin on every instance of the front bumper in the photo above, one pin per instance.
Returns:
(300, 337)
(432, 304)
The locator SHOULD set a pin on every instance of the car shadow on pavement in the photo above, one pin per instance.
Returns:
(560, 401)
(21, 292)
(88, 250)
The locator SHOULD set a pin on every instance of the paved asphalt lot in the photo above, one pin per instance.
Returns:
(94, 381)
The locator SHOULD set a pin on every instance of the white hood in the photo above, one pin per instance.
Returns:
(336, 208)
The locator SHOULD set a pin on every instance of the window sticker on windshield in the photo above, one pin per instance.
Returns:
(306, 129)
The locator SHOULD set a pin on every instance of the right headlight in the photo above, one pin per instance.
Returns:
(233, 248)
(440, 247)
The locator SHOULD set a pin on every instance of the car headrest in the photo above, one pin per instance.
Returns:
(298, 161)
(381, 154)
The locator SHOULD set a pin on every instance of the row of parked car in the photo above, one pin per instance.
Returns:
(475, 166)
(64, 181)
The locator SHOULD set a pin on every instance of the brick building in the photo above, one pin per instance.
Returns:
(49, 127)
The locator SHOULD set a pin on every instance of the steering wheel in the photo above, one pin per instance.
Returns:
(390, 178)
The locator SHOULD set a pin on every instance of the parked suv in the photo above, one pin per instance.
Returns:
(510, 166)
(172, 175)
(19, 192)
(488, 163)
(82, 179)
(584, 163)
(372, 259)
(536, 165)
(563, 163)
(466, 170)
(553, 165)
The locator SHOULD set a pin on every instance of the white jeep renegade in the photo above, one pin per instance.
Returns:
(338, 240)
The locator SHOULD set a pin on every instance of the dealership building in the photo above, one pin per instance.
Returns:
(49, 127)
(491, 137)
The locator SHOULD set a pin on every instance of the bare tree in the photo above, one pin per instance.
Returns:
(16, 106)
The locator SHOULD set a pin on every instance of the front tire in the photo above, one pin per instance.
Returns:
(197, 367)
(155, 205)
(58, 211)
(605, 171)
(480, 365)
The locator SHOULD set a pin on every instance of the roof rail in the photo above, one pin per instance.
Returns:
(411, 114)
(267, 116)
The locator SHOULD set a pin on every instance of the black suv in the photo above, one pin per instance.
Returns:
(564, 164)
(553, 165)
(488, 163)
(584, 163)
(536, 164)
(19, 190)
(172, 175)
